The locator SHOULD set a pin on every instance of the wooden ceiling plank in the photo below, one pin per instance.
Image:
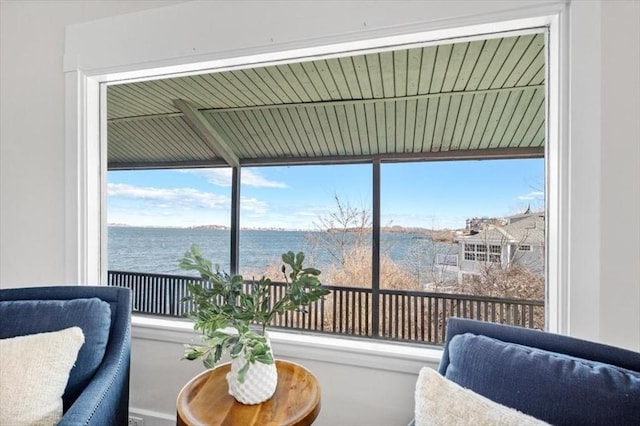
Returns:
(409, 136)
(349, 73)
(232, 125)
(533, 128)
(372, 129)
(324, 72)
(258, 93)
(270, 144)
(450, 125)
(267, 80)
(326, 143)
(343, 125)
(489, 49)
(327, 130)
(257, 140)
(533, 106)
(334, 126)
(469, 62)
(400, 70)
(354, 135)
(483, 121)
(401, 115)
(462, 121)
(309, 130)
(443, 55)
(430, 123)
(316, 80)
(532, 57)
(305, 82)
(222, 90)
(497, 120)
(387, 74)
(458, 53)
(426, 72)
(375, 75)
(419, 126)
(278, 141)
(441, 120)
(381, 125)
(477, 105)
(362, 76)
(362, 138)
(206, 131)
(390, 123)
(497, 63)
(414, 66)
(515, 56)
(303, 137)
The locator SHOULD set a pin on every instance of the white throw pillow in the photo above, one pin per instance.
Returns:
(34, 371)
(441, 402)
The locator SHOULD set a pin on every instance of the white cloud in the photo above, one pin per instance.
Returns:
(169, 198)
(533, 195)
(222, 177)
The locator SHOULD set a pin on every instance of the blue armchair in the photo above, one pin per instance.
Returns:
(97, 392)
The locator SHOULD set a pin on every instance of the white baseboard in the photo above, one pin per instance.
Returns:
(153, 418)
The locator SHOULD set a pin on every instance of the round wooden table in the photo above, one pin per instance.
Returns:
(205, 400)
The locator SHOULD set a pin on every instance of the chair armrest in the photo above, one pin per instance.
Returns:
(105, 400)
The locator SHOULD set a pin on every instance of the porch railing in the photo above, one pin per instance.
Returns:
(402, 315)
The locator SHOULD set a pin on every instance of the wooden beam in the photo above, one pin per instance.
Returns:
(207, 132)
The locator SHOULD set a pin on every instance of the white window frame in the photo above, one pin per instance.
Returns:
(85, 116)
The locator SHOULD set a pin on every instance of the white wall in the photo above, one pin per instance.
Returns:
(603, 164)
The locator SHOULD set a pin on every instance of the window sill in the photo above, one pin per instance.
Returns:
(402, 358)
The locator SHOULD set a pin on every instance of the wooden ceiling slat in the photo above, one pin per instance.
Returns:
(316, 80)
(533, 128)
(363, 130)
(334, 126)
(270, 140)
(509, 116)
(288, 144)
(343, 125)
(463, 120)
(515, 56)
(390, 126)
(452, 118)
(441, 120)
(301, 77)
(456, 59)
(221, 122)
(401, 114)
(483, 121)
(414, 65)
(251, 76)
(532, 109)
(309, 131)
(533, 53)
(419, 126)
(362, 76)
(280, 138)
(477, 105)
(335, 71)
(236, 122)
(324, 72)
(443, 56)
(497, 62)
(372, 137)
(495, 119)
(430, 124)
(375, 76)
(400, 69)
(485, 59)
(302, 135)
(410, 126)
(381, 126)
(258, 94)
(266, 80)
(352, 125)
(388, 77)
(468, 65)
(426, 72)
(223, 91)
(212, 88)
(326, 128)
(348, 73)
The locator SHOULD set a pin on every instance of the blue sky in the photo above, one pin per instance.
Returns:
(434, 194)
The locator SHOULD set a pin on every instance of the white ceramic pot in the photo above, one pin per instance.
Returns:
(259, 383)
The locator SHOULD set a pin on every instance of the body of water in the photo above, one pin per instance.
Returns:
(158, 250)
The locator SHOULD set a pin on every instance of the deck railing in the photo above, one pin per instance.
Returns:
(402, 315)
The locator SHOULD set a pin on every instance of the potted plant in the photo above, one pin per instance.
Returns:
(235, 321)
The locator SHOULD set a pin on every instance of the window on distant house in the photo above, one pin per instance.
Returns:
(525, 247)
(479, 252)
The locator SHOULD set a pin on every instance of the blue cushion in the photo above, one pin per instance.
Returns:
(93, 316)
(556, 388)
